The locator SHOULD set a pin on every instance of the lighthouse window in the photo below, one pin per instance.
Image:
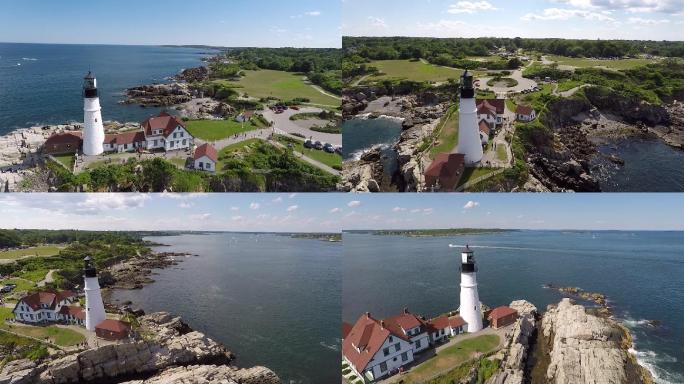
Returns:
(96, 119)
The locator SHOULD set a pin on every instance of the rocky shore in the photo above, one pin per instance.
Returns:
(136, 272)
(420, 115)
(165, 350)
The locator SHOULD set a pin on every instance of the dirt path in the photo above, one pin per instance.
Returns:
(49, 278)
(323, 91)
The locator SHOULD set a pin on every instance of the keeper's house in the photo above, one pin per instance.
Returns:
(49, 307)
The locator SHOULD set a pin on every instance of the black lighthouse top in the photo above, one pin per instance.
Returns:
(467, 91)
(89, 86)
(88, 268)
(468, 260)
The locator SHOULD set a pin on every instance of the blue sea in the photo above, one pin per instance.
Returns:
(41, 83)
(271, 299)
(640, 272)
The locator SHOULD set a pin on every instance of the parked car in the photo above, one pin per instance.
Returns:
(329, 148)
(318, 145)
(308, 144)
(338, 150)
(296, 108)
(6, 289)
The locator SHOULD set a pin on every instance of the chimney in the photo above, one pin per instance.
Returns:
(368, 315)
(382, 324)
(406, 310)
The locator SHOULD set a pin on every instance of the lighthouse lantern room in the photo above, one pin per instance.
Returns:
(93, 129)
(470, 308)
(94, 307)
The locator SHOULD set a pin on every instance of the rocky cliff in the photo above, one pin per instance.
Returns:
(167, 351)
(517, 345)
(585, 348)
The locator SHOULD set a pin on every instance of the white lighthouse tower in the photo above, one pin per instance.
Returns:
(93, 131)
(469, 141)
(470, 309)
(94, 308)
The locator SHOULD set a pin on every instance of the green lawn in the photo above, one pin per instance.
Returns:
(22, 285)
(282, 85)
(448, 135)
(473, 173)
(234, 148)
(332, 160)
(501, 153)
(452, 357)
(68, 160)
(179, 161)
(510, 104)
(211, 130)
(37, 275)
(413, 70)
(566, 85)
(42, 250)
(582, 62)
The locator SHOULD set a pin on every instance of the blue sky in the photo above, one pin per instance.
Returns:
(264, 23)
(334, 212)
(585, 19)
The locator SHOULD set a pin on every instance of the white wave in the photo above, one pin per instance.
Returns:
(366, 116)
(29, 59)
(356, 155)
(329, 346)
(650, 359)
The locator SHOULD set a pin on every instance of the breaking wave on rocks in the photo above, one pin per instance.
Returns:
(356, 155)
(650, 360)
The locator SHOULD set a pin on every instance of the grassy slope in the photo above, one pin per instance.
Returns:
(217, 129)
(452, 356)
(68, 160)
(582, 62)
(332, 160)
(43, 250)
(282, 85)
(414, 70)
(448, 136)
(473, 173)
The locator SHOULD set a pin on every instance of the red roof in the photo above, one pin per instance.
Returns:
(64, 138)
(500, 312)
(117, 326)
(441, 322)
(73, 311)
(50, 299)
(447, 168)
(498, 104)
(524, 110)
(207, 150)
(486, 109)
(484, 127)
(363, 341)
(125, 138)
(456, 321)
(346, 328)
(163, 121)
(405, 321)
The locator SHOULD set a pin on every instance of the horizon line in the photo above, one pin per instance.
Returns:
(168, 45)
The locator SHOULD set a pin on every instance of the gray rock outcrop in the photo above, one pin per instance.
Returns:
(587, 348)
(170, 352)
(517, 345)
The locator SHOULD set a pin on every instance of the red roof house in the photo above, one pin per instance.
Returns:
(112, 330)
(502, 316)
(162, 124)
(445, 171)
(63, 143)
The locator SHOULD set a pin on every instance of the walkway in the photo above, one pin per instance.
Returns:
(309, 160)
(48, 278)
(282, 122)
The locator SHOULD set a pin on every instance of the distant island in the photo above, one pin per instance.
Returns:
(330, 237)
(436, 232)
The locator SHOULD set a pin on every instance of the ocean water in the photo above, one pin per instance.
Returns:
(360, 135)
(41, 83)
(272, 300)
(650, 166)
(640, 272)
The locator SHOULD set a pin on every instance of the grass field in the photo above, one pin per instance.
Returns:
(282, 85)
(451, 357)
(413, 70)
(22, 285)
(473, 173)
(211, 130)
(332, 160)
(582, 62)
(448, 135)
(60, 336)
(566, 85)
(68, 160)
(42, 250)
(232, 148)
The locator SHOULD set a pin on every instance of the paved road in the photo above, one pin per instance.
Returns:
(523, 83)
(282, 122)
(309, 160)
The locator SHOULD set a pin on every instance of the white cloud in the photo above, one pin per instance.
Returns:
(254, 206)
(104, 201)
(313, 13)
(236, 218)
(234, 209)
(428, 211)
(647, 22)
(185, 205)
(277, 200)
(415, 210)
(398, 209)
(471, 7)
(566, 14)
(471, 204)
(353, 203)
(377, 22)
(292, 208)
(335, 210)
(202, 216)
(292, 195)
(630, 6)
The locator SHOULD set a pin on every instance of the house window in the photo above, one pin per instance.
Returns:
(397, 347)
(184, 141)
(391, 339)
(208, 165)
(417, 344)
(201, 165)
(404, 356)
(385, 351)
(383, 366)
